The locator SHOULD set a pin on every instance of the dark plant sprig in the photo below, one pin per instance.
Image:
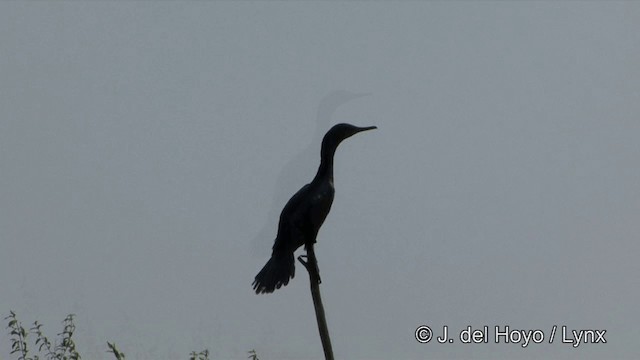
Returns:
(202, 355)
(114, 350)
(18, 337)
(66, 349)
(42, 341)
(253, 355)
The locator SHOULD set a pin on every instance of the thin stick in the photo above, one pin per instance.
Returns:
(314, 278)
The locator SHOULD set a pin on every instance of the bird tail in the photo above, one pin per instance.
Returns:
(275, 273)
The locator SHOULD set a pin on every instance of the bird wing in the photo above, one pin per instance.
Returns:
(292, 223)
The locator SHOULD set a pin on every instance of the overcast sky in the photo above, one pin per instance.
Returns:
(147, 148)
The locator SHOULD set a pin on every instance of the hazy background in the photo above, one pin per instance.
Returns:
(147, 148)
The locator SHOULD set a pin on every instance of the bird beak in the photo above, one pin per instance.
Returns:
(366, 128)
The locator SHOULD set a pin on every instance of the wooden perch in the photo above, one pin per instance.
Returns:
(311, 264)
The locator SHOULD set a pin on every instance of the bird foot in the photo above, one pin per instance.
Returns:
(304, 260)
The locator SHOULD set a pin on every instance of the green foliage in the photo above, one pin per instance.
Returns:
(18, 337)
(114, 350)
(253, 355)
(65, 347)
(42, 341)
(202, 355)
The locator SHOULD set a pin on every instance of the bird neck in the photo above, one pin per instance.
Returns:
(325, 171)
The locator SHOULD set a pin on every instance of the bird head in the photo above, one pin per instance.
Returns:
(342, 131)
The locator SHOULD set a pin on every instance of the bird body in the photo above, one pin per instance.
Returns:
(303, 215)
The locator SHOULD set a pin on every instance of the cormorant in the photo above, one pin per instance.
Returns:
(296, 171)
(303, 214)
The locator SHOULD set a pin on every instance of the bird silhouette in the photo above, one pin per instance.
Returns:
(296, 170)
(303, 214)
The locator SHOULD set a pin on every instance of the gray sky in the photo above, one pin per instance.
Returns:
(146, 149)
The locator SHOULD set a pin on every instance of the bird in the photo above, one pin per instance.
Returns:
(296, 170)
(304, 214)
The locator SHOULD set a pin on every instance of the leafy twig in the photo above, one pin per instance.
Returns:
(18, 337)
(114, 350)
(42, 341)
(253, 355)
(66, 349)
(202, 355)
